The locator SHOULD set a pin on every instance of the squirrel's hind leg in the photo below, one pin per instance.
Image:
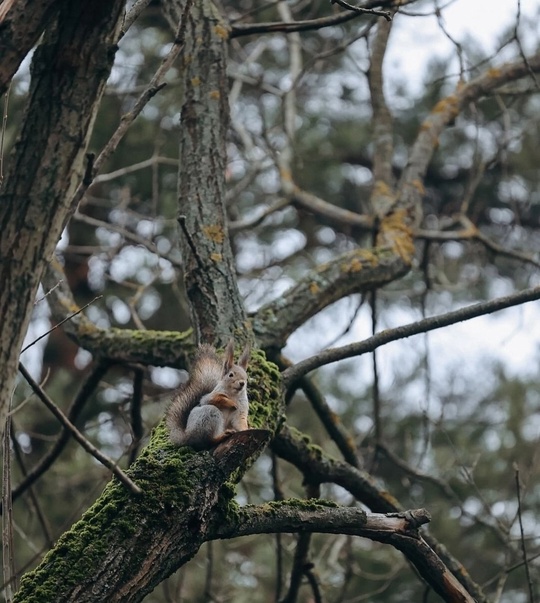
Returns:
(205, 427)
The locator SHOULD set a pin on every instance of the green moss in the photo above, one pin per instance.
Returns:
(306, 504)
(171, 348)
(168, 475)
(265, 397)
(315, 450)
(275, 508)
(166, 478)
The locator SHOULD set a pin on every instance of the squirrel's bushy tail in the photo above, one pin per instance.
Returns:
(206, 372)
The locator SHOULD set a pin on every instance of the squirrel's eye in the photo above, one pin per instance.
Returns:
(231, 374)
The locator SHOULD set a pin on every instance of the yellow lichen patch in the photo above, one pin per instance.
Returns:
(314, 288)
(215, 233)
(214, 94)
(448, 105)
(395, 232)
(216, 257)
(285, 174)
(419, 186)
(381, 189)
(493, 72)
(196, 81)
(368, 257)
(221, 32)
(382, 198)
(354, 265)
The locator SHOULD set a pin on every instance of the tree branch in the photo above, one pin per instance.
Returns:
(250, 29)
(209, 274)
(73, 413)
(312, 515)
(446, 110)
(381, 194)
(292, 374)
(77, 435)
(62, 103)
(182, 491)
(352, 272)
(157, 348)
(398, 529)
(23, 21)
(317, 467)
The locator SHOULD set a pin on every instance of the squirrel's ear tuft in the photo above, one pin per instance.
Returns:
(229, 357)
(243, 361)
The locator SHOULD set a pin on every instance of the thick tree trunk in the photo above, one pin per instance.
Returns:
(69, 71)
(21, 24)
(125, 545)
(209, 273)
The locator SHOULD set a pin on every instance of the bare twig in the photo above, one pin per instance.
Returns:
(522, 533)
(471, 232)
(133, 14)
(88, 446)
(320, 206)
(73, 412)
(293, 373)
(153, 87)
(279, 26)
(363, 11)
(61, 322)
(154, 160)
(3, 133)
(8, 562)
(252, 222)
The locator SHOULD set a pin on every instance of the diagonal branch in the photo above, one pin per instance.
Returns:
(158, 348)
(292, 374)
(352, 272)
(363, 11)
(73, 413)
(401, 530)
(77, 435)
(317, 467)
(444, 112)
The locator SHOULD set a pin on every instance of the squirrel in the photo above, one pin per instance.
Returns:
(213, 404)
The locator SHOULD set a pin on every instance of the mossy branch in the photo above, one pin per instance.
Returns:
(101, 557)
(352, 272)
(318, 468)
(158, 348)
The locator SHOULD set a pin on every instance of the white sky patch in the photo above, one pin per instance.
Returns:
(415, 41)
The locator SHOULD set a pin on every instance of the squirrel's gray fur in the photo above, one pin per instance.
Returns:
(213, 403)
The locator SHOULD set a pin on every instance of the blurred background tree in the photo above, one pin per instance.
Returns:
(318, 126)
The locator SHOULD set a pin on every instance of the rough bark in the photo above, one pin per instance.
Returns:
(400, 530)
(319, 468)
(125, 544)
(216, 307)
(69, 70)
(21, 24)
